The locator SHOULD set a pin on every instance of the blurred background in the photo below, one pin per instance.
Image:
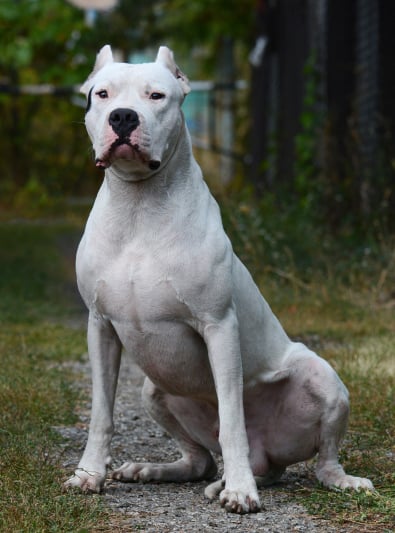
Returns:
(292, 103)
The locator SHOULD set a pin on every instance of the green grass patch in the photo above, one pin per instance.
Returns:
(358, 340)
(35, 389)
(34, 276)
(366, 452)
(365, 511)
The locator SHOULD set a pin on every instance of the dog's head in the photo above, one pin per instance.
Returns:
(133, 113)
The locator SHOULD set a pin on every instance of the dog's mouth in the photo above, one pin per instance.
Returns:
(124, 149)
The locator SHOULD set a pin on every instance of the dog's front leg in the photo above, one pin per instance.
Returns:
(222, 338)
(105, 355)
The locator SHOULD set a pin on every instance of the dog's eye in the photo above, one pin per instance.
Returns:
(102, 94)
(157, 96)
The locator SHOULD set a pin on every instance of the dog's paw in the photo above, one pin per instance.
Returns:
(241, 502)
(353, 482)
(181, 470)
(333, 476)
(130, 472)
(85, 481)
(212, 490)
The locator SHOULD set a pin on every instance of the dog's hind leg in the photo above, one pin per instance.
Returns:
(196, 462)
(328, 470)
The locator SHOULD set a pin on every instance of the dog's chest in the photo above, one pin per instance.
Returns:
(138, 295)
(135, 288)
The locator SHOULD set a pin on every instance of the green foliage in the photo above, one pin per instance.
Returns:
(37, 41)
(207, 20)
(307, 143)
(41, 148)
(268, 233)
(33, 195)
(130, 27)
(46, 151)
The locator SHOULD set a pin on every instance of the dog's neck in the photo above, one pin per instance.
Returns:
(155, 200)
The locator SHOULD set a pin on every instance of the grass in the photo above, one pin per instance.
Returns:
(336, 296)
(368, 447)
(35, 392)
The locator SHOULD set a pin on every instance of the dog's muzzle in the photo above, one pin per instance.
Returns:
(123, 122)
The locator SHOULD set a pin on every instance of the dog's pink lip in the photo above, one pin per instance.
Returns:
(121, 149)
(124, 150)
(100, 163)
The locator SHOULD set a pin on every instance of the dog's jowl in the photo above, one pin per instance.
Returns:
(161, 281)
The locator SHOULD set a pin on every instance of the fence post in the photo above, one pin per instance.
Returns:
(367, 95)
(226, 109)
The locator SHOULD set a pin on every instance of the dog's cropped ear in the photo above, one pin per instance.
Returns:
(166, 58)
(104, 57)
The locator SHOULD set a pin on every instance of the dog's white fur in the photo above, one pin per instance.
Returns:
(161, 281)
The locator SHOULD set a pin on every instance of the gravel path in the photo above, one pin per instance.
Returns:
(171, 507)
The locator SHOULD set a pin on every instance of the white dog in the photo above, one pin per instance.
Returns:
(161, 281)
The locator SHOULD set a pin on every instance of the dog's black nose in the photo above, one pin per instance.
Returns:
(123, 121)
